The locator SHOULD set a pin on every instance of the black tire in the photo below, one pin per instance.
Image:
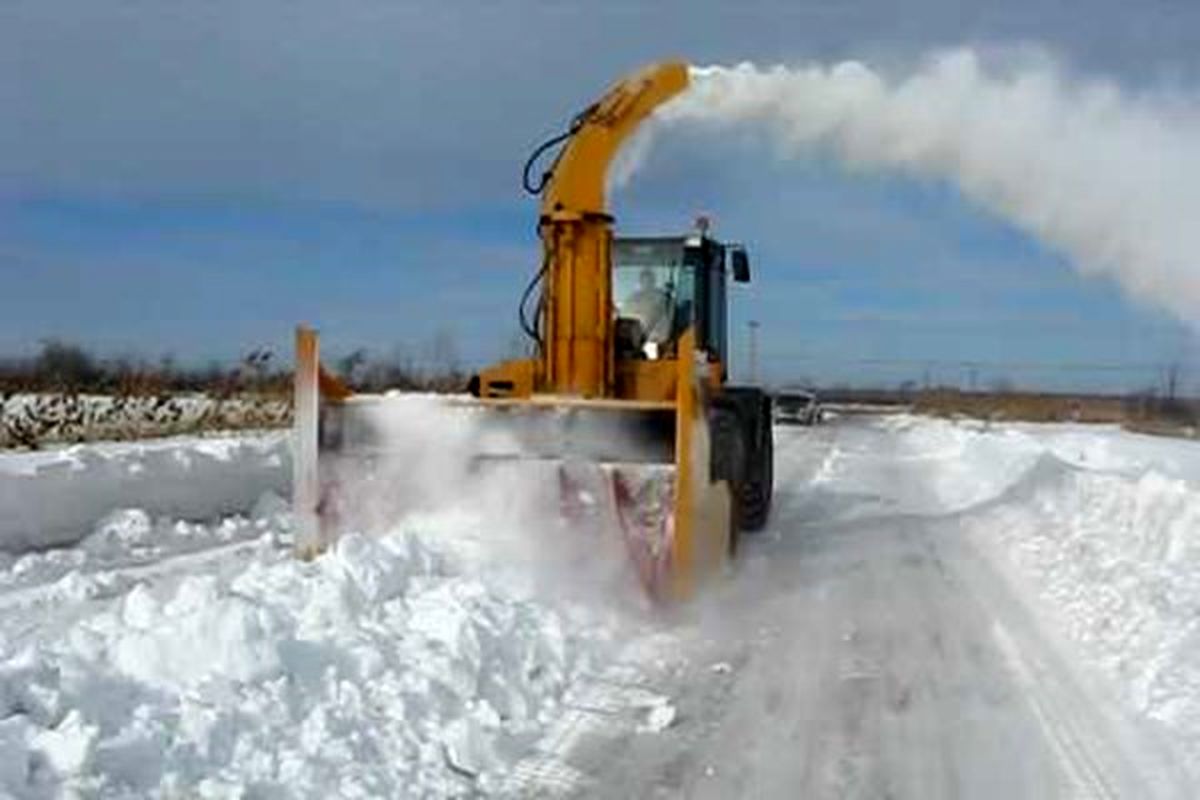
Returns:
(727, 447)
(755, 491)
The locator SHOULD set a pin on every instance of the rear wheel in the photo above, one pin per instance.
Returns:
(728, 448)
(743, 454)
(754, 494)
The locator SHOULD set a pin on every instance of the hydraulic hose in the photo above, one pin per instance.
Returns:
(536, 188)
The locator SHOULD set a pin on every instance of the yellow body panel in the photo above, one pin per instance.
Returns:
(508, 379)
(703, 510)
(647, 380)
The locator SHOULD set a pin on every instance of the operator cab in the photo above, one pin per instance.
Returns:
(662, 285)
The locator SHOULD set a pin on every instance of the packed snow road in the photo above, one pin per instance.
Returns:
(938, 609)
(871, 646)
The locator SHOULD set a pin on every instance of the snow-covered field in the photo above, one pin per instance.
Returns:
(172, 647)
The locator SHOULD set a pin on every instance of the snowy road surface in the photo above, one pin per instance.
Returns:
(868, 647)
(936, 610)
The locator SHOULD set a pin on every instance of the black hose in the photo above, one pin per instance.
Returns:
(537, 188)
(576, 123)
(533, 330)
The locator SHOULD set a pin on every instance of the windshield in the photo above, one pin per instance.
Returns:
(653, 286)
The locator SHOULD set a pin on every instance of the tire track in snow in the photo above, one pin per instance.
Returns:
(1083, 770)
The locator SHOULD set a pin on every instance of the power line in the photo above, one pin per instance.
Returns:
(972, 364)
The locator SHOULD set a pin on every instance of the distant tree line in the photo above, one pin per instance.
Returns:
(64, 367)
(1003, 400)
(69, 368)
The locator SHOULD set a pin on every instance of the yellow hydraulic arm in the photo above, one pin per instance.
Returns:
(577, 353)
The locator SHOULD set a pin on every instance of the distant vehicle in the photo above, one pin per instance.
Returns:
(797, 407)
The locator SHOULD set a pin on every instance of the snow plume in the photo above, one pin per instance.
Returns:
(1108, 177)
(535, 509)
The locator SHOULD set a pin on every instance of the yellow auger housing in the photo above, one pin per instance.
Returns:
(629, 334)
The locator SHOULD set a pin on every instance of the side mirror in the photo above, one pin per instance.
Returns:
(739, 264)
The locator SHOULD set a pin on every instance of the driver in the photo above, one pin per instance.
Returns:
(650, 306)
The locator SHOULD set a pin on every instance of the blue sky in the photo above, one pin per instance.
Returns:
(194, 179)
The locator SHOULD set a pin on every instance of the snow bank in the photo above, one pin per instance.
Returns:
(174, 651)
(1099, 526)
(1114, 559)
(55, 497)
(130, 537)
(371, 671)
(948, 466)
(934, 468)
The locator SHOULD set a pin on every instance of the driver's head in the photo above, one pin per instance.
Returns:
(646, 279)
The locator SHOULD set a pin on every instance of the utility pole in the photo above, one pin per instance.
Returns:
(753, 324)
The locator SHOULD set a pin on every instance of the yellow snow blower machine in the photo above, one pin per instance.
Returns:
(627, 385)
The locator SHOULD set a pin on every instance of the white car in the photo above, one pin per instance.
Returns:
(797, 406)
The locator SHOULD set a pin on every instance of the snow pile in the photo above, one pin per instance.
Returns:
(131, 537)
(55, 497)
(1109, 449)
(938, 467)
(178, 649)
(1115, 561)
(369, 672)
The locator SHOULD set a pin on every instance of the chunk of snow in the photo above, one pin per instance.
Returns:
(15, 736)
(467, 748)
(657, 716)
(67, 748)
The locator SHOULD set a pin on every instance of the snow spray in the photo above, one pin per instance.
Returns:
(476, 479)
(1106, 176)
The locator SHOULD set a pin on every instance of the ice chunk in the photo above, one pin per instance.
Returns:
(15, 737)
(468, 750)
(67, 748)
(657, 716)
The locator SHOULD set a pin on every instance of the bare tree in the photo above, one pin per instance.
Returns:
(1171, 380)
(66, 365)
(1001, 385)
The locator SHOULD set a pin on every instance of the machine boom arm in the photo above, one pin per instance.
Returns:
(578, 181)
(576, 229)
